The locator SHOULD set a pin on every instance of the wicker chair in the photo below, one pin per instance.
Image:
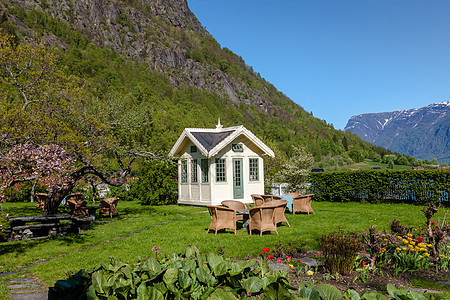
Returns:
(109, 206)
(74, 197)
(76, 207)
(268, 198)
(221, 217)
(280, 209)
(41, 199)
(262, 219)
(235, 205)
(302, 203)
(257, 199)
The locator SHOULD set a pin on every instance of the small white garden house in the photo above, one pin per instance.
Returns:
(219, 164)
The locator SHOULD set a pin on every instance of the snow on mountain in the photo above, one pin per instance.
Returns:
(423, 133)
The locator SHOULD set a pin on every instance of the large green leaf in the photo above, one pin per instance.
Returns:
(201, 274)
(235, 269)
(220, 269)
(126, 270)
(221, 294)
(268, 280)
(252, 285)
(170, 276)
(373, 295)
(246, 263)
(351, 294)
(90, 294)
(191, 251)
(184, 279)
(151, 265)
(309, 292)
(97, 282)
(328, 292)
(154, 294)
(214, 260)
(189, 265)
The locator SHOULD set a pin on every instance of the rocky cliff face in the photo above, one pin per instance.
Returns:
(159, 32)
(423, 133)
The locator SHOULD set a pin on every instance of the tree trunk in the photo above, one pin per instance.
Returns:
(54, 199)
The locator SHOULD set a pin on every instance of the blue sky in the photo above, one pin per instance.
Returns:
(339, 58)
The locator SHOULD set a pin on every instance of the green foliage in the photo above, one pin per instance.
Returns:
(418, 186)
(340, 251)
(188, 275)
(156, 184)
(329, 292)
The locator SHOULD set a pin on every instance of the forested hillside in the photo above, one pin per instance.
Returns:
(149, 69)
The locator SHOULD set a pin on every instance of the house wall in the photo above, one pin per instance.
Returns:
(215, 192)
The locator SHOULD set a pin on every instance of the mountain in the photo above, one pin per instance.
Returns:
(423, 133)
(151, 69)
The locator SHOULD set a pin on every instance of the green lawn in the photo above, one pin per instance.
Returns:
(172, 228)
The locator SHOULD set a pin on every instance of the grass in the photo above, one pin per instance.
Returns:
(172, 228)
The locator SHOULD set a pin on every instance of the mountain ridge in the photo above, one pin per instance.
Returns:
(155, 59)
(420, 132)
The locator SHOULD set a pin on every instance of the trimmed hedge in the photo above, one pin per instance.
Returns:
(418, 186)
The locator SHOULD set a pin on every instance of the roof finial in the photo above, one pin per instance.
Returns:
(219, 126)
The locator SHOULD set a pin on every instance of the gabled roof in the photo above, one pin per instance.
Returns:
(212, 141)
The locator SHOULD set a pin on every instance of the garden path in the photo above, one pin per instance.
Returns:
(30, 288)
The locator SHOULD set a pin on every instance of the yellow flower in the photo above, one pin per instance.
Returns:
(310, 272)
(291, 266)
(411, 249)
(416, 248)
(399, 237)
(428, 245)
(442, 255)
(448, 247)
(420, 256)
(409, 234)
(427, 254)
(398, 249)
(405, 241)
(404, 248)
(410, 239)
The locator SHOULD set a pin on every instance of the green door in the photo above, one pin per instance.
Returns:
(238, 184)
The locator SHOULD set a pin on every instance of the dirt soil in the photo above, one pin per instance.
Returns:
(378, 281)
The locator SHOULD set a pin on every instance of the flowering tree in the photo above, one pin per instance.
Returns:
(47, 132)
(296, 170)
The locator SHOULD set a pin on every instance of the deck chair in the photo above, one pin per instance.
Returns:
(221, 217)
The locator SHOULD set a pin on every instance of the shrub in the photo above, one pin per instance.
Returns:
(340, 251)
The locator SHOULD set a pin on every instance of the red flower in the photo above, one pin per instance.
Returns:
(289, 257)
(420, 239)
(318, 255)
(267, 249)
(364, 251)
(260, 253)
(432, 223)
(299, 260)
(279, 260)
(442, 237)
(270, 256)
